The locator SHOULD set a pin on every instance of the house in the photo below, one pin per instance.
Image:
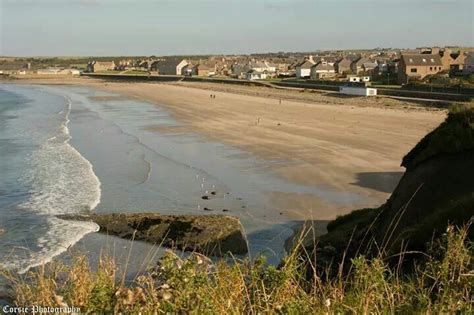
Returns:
(204, 70)
(358, 65)
(418, 66)
(189, 70)
(344, 65)
(154, 65)
(452, 61)
(369, 67)
(171, 66)
(468, 66)
(255, 75)
(303, 68)
(322, 70)
(240, 69)
(330, 60)
(96, 66)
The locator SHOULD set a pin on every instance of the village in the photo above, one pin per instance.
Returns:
(389, 66)
(448, 69)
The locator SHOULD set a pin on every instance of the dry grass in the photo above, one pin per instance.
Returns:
(442, 283)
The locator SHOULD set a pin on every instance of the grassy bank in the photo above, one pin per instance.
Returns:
(442, 282)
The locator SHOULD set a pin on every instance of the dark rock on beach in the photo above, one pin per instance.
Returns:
(213, 235)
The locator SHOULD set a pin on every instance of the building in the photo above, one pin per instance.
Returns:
(255, 75)
(322, 70)
(361, 91)
(171, 66)
(369, 67)
(344, 65)
(240, 69)
(189, 70)
(418, 66)
(96, 66)
(58, 71)
(452, 61)
(303, 68)
(205, 70)
(358, 65)
(468, 66)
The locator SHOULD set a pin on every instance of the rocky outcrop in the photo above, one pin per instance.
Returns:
(212, 235)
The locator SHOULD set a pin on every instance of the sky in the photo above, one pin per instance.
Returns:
(186, 27)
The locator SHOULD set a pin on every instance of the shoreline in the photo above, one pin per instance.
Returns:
(343, 144)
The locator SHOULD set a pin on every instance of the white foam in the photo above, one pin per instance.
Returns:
(63, 181)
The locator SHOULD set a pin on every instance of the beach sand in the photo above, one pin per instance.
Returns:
(344, 144)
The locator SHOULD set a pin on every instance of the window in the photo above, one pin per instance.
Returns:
(424, 60)
(413, 70)
(432, 60)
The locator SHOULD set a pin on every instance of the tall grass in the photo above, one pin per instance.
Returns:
(443, 282)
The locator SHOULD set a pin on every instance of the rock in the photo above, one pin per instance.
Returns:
(205, 197)
(207, 209)
(213, 193)
(213, 235)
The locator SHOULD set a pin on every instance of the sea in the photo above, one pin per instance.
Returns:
(75, 150)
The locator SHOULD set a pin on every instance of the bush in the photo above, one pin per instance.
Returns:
(442, 283)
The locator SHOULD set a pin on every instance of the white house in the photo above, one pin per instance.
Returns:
(255, 75)
(303, 69)
(241, 69)
(361, 91)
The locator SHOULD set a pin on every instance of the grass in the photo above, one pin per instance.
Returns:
(442, 283)
(456, 134)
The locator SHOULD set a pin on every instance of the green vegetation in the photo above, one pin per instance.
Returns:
(456, 134)
(443, 282)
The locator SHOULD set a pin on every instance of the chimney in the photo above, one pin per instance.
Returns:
(435, 51)
(310, 58)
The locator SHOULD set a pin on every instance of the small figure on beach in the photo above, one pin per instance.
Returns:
(280, 101)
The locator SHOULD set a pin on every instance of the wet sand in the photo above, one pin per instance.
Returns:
(344, 144)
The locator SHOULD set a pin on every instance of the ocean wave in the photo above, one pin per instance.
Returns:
(62, 181)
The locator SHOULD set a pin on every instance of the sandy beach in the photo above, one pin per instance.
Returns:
(344, 144)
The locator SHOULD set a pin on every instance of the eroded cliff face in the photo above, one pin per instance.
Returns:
(437, 189)
(429, 196)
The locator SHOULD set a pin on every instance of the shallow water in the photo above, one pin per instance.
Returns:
(64, 149)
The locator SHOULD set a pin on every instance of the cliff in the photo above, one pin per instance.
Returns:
(436, 189)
